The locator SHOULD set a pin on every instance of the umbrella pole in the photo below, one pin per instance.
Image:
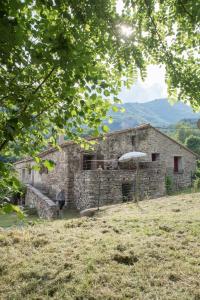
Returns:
(137, 181)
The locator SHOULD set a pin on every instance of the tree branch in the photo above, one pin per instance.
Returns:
(170, 57)
(44, 80)
(5, 142)
(186, 11)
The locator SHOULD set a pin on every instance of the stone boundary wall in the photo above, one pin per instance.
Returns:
(45, 207)
(88, 184)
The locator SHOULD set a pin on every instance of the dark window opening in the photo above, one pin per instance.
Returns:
(88, 161)
(100, 161)
(155, 156)
(127, 191)
(29, 169)
(133, 140)
(177, 164)
(117, 166)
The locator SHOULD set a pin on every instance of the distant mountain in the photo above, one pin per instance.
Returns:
(158, 112)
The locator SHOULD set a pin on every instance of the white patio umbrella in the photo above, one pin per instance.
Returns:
(133, 156)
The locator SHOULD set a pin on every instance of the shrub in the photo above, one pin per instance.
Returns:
(10, 190)
(196, 182)
(168, 184)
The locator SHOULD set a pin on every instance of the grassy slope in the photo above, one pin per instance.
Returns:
(9, 220)
(122, 253)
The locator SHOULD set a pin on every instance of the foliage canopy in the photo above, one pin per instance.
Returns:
(58, 58)
(61, 60)
(193, 143)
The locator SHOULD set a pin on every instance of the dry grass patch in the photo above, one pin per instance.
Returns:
(121, 253)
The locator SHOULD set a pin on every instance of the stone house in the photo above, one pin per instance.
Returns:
(96, 176)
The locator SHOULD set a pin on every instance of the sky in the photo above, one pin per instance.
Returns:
(153, 87)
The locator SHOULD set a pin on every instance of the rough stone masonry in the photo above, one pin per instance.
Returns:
(77, 171)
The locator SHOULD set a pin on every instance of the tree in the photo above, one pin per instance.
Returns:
(193, 143)
(169, 34)
(183, 130)
(61, 61)
(57, 60)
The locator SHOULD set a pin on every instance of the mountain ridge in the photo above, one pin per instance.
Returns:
(158, 112)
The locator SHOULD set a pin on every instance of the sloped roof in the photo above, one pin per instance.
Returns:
(140, 127)
(181, 145)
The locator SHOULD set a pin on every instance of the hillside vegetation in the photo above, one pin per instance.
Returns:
(157, 112)
(124, 252)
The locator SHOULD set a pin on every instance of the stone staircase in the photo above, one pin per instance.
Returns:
(45, 206)
(46, 192)
(67, 209)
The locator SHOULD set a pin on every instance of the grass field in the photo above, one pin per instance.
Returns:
(9, 220)
(124, 252)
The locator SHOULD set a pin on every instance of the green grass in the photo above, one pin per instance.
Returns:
(124, 252)
(9, 220)
(189, 190)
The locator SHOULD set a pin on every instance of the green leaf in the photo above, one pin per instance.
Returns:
(110, 120)
(49, 164)
(115, 108)
(9, 208)
(36, 167)
(37, 159)
(105, 128)
(106, 93)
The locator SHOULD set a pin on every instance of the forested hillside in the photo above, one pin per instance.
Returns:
(158, 112)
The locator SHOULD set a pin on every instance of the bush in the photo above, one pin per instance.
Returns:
(168, 184)
(10, 189)
(193, 143)
(196, 182)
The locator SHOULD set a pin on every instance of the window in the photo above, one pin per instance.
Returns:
(177, 164)
(23, 173)
(133, 140)
(155, 156)
(100, 161)
(88, 161)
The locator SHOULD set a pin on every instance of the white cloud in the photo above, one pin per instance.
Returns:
(153, 87)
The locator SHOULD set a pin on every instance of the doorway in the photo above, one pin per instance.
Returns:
(88, 160)
(127, 191)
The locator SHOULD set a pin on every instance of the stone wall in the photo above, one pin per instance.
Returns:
(105, 186)
(150, 140)
(45, 207)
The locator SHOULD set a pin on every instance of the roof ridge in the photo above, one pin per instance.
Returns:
(70, 142)
(142, 126)
(178, 143)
